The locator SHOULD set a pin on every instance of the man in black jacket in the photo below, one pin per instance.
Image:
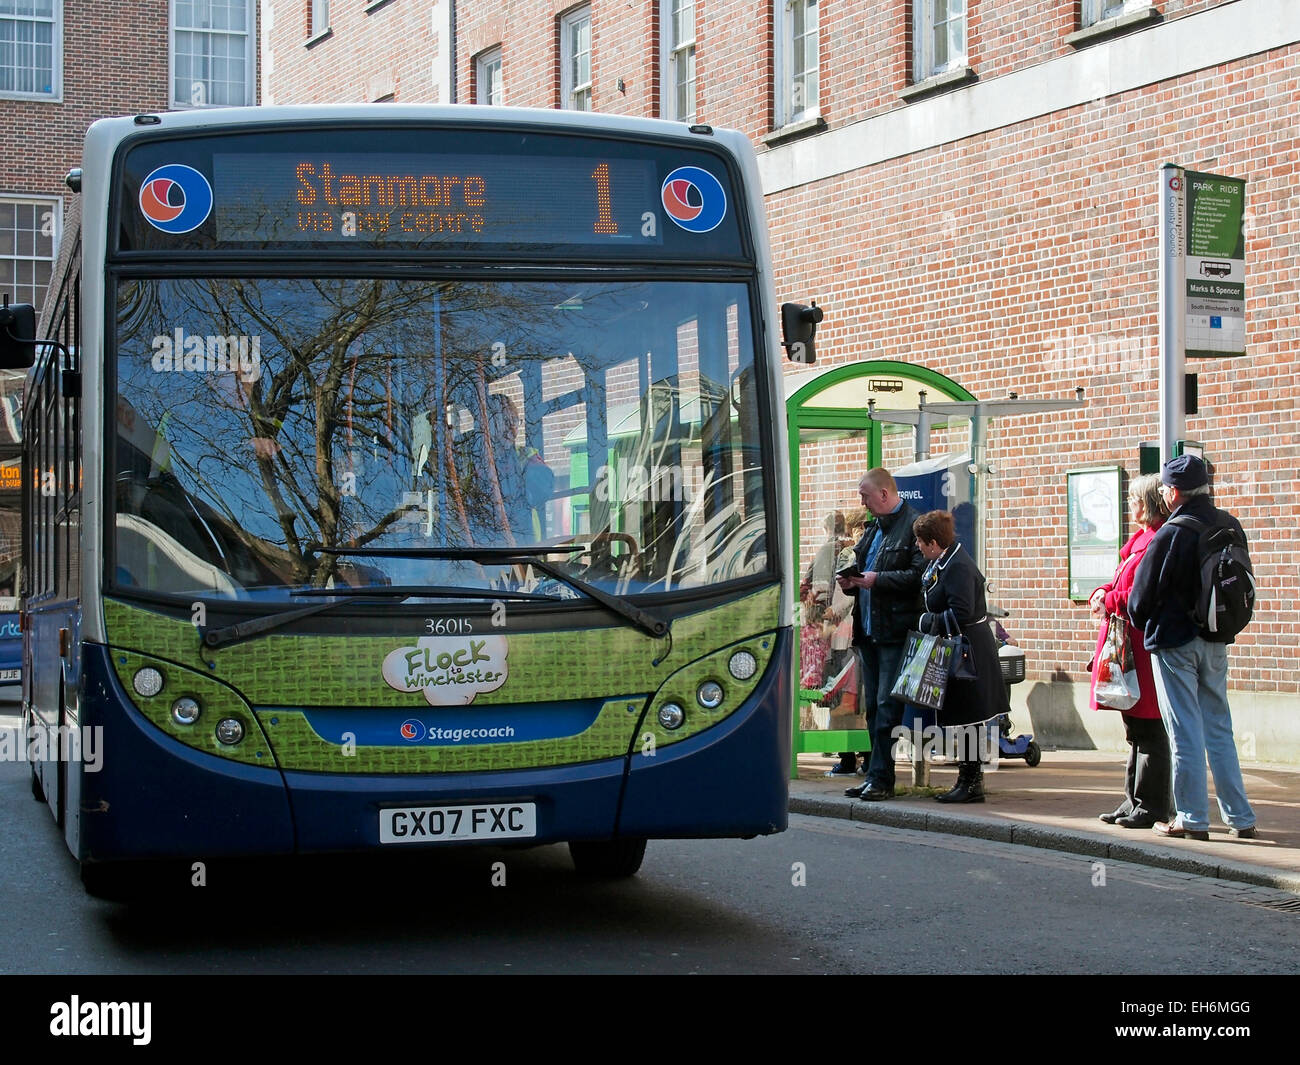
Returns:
(1189, 666)
(888, 604)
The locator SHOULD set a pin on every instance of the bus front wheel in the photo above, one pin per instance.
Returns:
(609, 859)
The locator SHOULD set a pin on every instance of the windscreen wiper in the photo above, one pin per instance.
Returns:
(508, 556)
(245, 630)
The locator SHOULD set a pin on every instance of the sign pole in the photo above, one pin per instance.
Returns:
(1172, 308)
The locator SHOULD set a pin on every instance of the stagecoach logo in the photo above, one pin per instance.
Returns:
(176, 198)
(694, 199)
(450, 670)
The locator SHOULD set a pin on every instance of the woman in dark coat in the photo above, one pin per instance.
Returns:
(953, 582)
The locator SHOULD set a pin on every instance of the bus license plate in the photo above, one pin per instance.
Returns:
(11, 674)
(447, 824)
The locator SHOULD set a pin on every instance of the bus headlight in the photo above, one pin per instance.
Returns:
(185, 711)
(709, 695)
(147, 682)
(671, 716)
(229, 731)
(742, 665)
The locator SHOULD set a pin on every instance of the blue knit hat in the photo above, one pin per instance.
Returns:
(1184, 472)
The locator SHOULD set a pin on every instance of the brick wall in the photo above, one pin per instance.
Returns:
(1028, 262)
(115, 61)
(1019, 259)
(372, 52)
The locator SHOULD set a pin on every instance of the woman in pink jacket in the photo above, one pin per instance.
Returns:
(1148, 780)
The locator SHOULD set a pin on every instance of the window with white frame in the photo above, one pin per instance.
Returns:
(679, 57)
(1094, 11)
(320, 18)
(797, 51)
(29, 241)
(938, 37)
(575, 60)
(487, 78)
(31, 33)
(212, 53)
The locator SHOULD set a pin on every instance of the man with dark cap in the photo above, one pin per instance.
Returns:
(1190, 665)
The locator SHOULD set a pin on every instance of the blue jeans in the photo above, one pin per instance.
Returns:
(881, 661)
(1192, 690)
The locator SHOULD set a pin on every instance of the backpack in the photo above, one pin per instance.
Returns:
(1226, 599)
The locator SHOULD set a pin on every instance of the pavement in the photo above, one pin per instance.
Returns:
(1055, 805)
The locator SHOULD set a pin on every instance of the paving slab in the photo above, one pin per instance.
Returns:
(1055, 805)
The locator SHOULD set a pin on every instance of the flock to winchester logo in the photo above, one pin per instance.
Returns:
(451, 671)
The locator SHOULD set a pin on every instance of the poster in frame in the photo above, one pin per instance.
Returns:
(1094, 527)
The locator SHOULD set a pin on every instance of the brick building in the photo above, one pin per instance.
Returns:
(65, 63)
(966, 187)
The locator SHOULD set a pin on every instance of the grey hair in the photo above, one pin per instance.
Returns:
(1146, 491)
(1192, 493)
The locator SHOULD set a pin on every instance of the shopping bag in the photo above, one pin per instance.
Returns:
(1117, 679)
(923, 676)
(962, 666)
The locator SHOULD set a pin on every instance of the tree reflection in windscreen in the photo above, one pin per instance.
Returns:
(258, 420)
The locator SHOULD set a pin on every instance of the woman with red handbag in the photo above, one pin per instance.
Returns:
(1148, 778)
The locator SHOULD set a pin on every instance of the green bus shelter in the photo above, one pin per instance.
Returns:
(833, 441)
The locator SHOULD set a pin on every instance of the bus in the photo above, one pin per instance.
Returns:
(403, 476)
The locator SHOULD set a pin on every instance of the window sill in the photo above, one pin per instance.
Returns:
(185, 105)
(1115, 26)
(34, 97)
(803, 128)
(325, 34)
(932, 86)
(375, 5)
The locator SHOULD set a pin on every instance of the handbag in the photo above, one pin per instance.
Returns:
(925, 671)
(1117, 680)
(962, 666)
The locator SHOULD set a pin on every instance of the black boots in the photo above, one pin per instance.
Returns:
(969, 786)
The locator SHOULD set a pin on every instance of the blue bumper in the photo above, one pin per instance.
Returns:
(157, 798)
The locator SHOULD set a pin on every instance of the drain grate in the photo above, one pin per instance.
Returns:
(1285, 905)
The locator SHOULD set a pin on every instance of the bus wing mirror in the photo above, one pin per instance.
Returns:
(17, 336)
(798, 326)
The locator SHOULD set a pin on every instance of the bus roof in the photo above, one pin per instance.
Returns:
(582, 122)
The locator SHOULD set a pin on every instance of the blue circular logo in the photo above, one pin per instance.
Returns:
(412, 730)
(694, 199)
(176, 198)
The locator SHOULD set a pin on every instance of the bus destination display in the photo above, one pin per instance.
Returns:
(420, 199)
